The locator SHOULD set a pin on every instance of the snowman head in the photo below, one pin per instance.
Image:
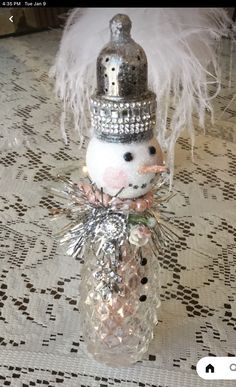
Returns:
(123, 153)
(129, 167)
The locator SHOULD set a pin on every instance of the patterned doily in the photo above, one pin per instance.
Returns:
(41, 340)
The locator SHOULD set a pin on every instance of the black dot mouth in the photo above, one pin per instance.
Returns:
(138, 186)
(144, 185)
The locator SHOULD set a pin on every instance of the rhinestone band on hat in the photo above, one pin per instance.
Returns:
(119, 120)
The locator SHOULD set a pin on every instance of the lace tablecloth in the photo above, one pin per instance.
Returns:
(40, 338)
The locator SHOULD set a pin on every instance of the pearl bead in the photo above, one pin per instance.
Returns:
(132, 205)
(141, 205)
(85, 170)
(149, 199)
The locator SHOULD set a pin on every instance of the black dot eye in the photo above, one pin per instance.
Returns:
(152, 150)
(143, 261)
(128, 156)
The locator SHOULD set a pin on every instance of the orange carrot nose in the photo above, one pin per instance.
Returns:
(152, 169)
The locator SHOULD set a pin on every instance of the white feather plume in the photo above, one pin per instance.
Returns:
(180, 44)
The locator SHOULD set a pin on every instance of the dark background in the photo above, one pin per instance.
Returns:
(28, 20)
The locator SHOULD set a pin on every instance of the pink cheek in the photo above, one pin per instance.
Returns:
(115, 178)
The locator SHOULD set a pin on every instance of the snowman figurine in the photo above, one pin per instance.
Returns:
(116, 224)
(123, 155)
(119, 293)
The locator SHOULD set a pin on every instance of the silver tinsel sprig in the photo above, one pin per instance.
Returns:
(106, 227)
(101, 227)
(91, 222)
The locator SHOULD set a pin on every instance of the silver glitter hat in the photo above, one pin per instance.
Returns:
(122, 108)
